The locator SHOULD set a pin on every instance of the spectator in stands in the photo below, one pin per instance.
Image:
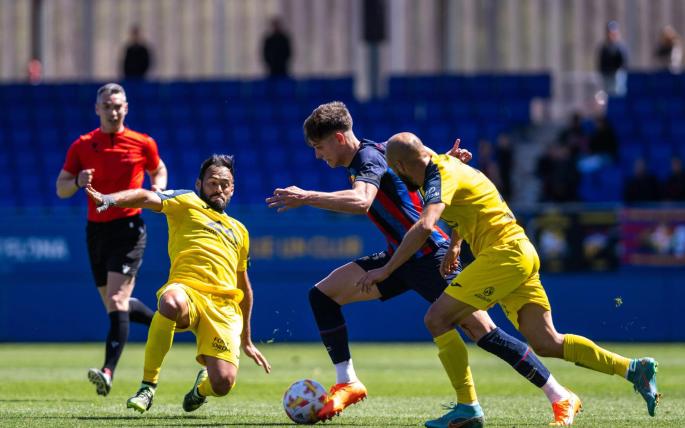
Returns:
(276, 50)
(574, 137)
(138, 58)
(643, 186)
(669, 51)
(34, 71)
(113, 158)
(505, 159)
(674, 189)
(602, 148)
(557, 171)
(612, 61)
(603, 141)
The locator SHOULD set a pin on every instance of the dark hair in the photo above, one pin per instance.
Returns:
(216, 160)
(325, 120)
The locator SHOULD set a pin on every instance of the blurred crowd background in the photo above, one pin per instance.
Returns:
(574, 108)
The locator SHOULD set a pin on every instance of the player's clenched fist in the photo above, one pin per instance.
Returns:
(85, 177)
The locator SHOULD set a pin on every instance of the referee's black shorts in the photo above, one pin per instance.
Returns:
(116, 246)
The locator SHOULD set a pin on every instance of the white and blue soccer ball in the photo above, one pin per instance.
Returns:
(303, 400)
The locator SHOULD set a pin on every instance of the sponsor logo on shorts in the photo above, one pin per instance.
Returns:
(486, 294)
(219, 344)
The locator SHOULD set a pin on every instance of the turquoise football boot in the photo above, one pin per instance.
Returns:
(459, 416)
(642, 373)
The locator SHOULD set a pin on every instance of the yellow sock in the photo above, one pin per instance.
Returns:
(585, 353)
(455, 360)
(205, 388)
(160, 336)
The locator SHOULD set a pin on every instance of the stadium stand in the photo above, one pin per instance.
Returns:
(649, 123)
(257, 120)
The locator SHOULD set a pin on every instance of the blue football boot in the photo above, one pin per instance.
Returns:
(459, 416)
(642, 373)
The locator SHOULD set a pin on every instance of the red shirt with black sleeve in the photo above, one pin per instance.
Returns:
(120, 161)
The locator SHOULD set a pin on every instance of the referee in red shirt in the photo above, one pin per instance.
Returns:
(113, 158)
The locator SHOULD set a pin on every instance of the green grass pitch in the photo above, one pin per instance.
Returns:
(45, 385)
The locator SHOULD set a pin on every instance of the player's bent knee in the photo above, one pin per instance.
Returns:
(436, 322)
(171, 304)
(477, 325)
(548, 346)
(117, 302)
(222, 385)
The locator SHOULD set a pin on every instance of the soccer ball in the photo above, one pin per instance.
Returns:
(303, 400)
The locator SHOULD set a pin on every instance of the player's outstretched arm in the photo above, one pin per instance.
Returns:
(249, 348)
(133, 198)
(357, 200)
(411, 243)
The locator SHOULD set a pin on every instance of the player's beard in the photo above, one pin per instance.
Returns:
(407, 182)
(215, 205)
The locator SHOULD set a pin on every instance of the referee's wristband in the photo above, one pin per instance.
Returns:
(76, 182)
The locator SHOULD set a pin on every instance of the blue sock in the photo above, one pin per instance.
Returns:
(517, 354)
(329, 318)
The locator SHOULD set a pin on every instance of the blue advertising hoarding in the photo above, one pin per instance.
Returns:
(47, 292)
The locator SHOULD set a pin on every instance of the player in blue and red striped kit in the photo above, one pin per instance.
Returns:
(379, 193)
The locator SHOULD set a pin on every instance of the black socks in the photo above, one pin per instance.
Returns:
(331, 322)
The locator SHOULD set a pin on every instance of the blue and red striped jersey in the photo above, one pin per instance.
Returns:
(395, 208)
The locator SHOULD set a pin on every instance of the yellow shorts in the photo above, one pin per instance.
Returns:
(507, 274)
(215, 320)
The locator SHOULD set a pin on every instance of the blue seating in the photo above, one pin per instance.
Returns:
(659, 160)
(259, 121)
(604, 185)
(651, 130)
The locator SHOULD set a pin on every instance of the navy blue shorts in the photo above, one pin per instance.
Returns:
(421, 275)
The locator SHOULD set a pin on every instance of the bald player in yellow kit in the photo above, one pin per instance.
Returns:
(208, 291)
(505, 270)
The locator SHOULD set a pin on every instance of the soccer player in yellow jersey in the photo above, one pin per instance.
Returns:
(505, 269)
(208, 291)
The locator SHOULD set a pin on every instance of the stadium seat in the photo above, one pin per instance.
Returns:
(538, 85)
(651, 130)
(643, 108)
(659, 159)
(241, 117)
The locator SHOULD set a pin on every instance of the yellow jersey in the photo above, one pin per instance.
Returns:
(472, 203)
(206, 247)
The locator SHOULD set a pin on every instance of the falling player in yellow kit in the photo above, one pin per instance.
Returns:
(208, 291)
(505, 270)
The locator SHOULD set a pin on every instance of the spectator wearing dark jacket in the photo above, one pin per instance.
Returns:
(643, 186)
(276, 50)
(138, 58)
(674, 189)
(613, 61)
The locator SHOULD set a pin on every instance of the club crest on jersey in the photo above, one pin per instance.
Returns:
(217, 228)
